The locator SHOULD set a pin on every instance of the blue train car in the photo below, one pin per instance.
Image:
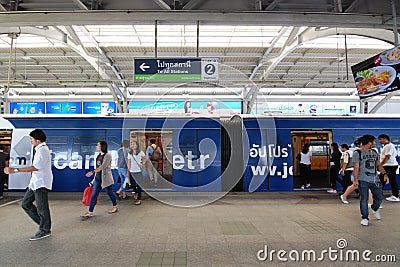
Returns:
(200, 154)
(273, 142)
(191, 149)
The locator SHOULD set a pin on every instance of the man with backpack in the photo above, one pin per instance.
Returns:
(366, 164)
(154, 154)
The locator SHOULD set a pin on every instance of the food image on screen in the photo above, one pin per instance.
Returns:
(375, 79)
(394, 55)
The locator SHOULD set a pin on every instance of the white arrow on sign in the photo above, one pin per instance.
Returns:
(143, 66)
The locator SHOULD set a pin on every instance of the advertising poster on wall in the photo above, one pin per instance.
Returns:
(262, 107)
(27, 107)
(64, 107)
(220, 108)
(379, 74)
(103, 108)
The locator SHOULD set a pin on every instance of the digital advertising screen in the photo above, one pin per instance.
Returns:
(186, 107)
(27, 107)
(303, 107)
(64, 107)
(378, 74)
(103, 108)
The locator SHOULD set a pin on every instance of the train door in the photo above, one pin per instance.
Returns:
(320, 147)
(163, 139)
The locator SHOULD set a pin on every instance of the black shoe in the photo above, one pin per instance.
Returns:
(40, 235)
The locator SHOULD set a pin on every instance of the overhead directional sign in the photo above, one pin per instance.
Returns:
(176, 69)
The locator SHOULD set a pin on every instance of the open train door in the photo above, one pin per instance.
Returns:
(20, 153)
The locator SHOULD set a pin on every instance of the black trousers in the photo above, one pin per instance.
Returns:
(305, 173)
(334, 177)
(391, 171)
(3, 178)
(40, 213)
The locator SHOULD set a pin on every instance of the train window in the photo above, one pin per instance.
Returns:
(58, 146)
(85, 146)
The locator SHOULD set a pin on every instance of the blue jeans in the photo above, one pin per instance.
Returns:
(377, 194)
(40, 213)
(122, 175)
(136, 179)
(96, 191)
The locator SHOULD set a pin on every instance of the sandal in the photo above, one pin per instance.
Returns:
(113, 210)
(138, 202)
(87, 215)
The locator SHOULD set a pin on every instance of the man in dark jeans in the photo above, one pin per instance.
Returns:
(389, 163)
(4, 157)
(366, 165)
(41, 182)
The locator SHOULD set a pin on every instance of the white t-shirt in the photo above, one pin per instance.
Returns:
(389, 149)
(135, 159)
(346, 157)
(43, 177)
(306, 158)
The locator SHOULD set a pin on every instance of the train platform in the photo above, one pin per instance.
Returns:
(275, 229)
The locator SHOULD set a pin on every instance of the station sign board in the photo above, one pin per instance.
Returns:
(175, 69)
(379, 74)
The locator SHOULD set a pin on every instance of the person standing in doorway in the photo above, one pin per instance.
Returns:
(154, 154)
(40, 183)
(335, 168)
(4, 158)
(389, 163)
(122, 167)
(305, 166)
(136, 160)
(366, 165)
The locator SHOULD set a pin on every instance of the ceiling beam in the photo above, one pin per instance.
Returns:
(2, 8)
(192, 4)
(82, 17)
(352, 6)
(267, 52)
(272, 5)
(113, 87)
(80, 4)
(162, 4)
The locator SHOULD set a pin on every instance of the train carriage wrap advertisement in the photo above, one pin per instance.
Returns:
(379, 74)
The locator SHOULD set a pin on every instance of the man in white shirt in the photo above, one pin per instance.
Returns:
(389, 163)
(41, 182)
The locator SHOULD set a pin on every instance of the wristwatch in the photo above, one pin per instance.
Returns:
(16, 170)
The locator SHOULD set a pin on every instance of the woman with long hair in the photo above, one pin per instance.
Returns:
(334, 168)
(305, 166)
(136, 161)
(103, 179)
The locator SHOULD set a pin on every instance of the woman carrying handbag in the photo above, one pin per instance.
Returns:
(103, 179)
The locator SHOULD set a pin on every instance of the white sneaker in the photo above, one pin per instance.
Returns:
(377, 214)
(331, 191)
(393, 198)
(364, 222)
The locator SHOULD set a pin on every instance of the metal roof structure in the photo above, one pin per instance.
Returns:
(74, 49)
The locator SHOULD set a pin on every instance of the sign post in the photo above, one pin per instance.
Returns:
(175, 69)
